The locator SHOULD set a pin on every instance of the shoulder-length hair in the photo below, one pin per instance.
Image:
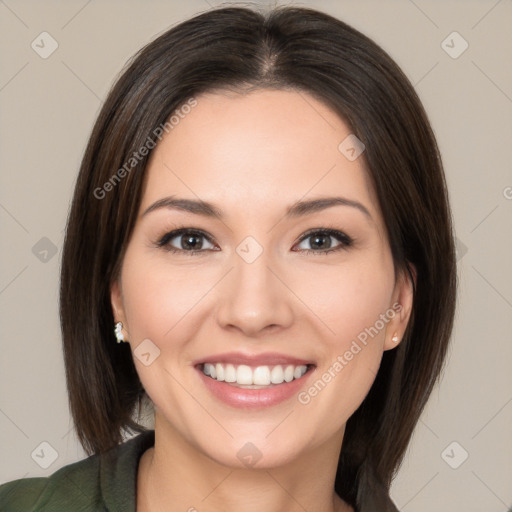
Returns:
(287, 48)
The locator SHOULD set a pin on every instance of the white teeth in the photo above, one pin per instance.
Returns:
(260, 376)
(297, 373)
(277, 375)
(229, 373)
(219, 369)
(288, 373)
(244, 374)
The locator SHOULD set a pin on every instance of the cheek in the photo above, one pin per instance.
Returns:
(350, 304)
(347, 299)
(159, 304)
(156, 299)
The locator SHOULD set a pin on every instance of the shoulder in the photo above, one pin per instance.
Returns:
(72, 487)
(21, 494)
(95, 484)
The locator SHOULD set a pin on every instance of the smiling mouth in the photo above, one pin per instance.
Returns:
(254, 377)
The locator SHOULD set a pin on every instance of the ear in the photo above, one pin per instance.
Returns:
(116, 300)
(401, 304)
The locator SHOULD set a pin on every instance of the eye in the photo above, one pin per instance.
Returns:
(187, 240)
(319, 241)
(191, 241)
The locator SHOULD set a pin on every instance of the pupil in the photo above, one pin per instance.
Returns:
(316, 238)
(192, 245)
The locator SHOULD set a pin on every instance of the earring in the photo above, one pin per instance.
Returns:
(394, 339)
(118, 333)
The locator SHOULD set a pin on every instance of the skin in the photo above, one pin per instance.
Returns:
(253, 155)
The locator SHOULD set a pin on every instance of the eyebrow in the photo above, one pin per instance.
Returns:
(298, 209)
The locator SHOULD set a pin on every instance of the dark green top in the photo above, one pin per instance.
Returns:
(99, 483)
(108, 483)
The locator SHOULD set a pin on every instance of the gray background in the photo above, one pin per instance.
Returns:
(48, 106)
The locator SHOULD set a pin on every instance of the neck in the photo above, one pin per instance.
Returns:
(175, 476)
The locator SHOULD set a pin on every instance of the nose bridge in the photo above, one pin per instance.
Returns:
(253, 297)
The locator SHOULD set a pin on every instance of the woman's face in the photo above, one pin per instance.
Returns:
(260, 300)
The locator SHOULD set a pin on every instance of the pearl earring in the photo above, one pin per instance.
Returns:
(118, 333)
(394, 339)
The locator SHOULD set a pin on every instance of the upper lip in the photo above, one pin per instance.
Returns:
(263, 359)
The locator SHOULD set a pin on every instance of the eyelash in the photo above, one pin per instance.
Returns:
(346, 241)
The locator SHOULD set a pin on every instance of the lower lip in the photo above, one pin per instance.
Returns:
(254, 398)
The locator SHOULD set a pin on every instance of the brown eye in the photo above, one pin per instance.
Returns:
(184, 240)
(320, 241)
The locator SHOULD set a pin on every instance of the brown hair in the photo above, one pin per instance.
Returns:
(295, 48)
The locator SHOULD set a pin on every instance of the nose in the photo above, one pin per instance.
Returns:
(254, 298)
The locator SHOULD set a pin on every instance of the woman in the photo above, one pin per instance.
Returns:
(261, 222)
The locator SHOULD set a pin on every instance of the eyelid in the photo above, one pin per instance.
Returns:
(335, 232)
(173, 233)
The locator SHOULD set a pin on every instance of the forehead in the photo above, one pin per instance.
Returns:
(257, 152)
